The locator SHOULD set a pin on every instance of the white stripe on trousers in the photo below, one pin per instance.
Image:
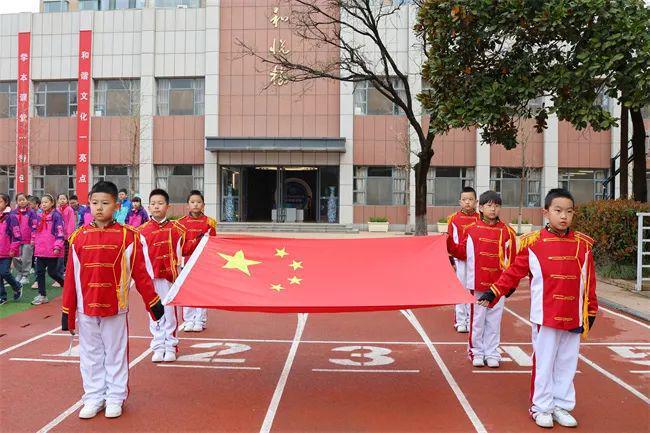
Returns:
(103, 354)
(461, 310)
(555, 362)
(164, 331)
(485, 329)
(195, 315)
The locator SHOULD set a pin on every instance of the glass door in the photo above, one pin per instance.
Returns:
(231, 181)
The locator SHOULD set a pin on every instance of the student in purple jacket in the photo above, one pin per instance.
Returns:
(137, 215)
(9, 245)
(49, 244)
(26, 217)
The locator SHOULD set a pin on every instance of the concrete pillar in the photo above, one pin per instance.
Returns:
(147, 102)
(482, 180)
(210, 165)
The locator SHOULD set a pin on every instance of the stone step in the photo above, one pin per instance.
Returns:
(286, 227)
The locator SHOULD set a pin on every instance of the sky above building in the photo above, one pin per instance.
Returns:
(14, 6)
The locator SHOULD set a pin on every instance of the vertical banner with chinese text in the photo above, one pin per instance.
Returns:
(22, 114)
(83, 115)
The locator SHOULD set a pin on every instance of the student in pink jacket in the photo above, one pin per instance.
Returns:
(69, 226)
(9, 246)
(49, 237)
(26, 221)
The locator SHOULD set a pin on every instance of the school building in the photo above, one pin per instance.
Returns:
(168, 100)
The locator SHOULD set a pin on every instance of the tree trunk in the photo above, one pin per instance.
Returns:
(421, 171)
(639, 182)
(625, 137)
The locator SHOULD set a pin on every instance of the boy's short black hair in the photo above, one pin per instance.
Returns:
(557, 193)
(136, 198)
(159, 191)
(490, 197)
(74, 197)
(468, 189)
(34, 199)
(104, 186)
(124, 191)
(195, 192)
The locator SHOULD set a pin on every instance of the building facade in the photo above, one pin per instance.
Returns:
(173, 103)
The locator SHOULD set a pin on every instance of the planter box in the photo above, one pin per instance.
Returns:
(525, 228)
(378, 227)
(442, 227)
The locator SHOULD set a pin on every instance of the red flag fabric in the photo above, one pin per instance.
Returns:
(245, 273)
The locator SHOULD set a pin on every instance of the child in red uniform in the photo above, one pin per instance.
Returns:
(165, 239)
(104, 256)
(456, 226)
(563, 305)
(489, 247)
(196, 225)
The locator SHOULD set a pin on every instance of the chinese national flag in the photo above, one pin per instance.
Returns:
(279, 275)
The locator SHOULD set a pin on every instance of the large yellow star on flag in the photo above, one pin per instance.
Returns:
(238, 261)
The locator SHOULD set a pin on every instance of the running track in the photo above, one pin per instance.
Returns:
(356, 372)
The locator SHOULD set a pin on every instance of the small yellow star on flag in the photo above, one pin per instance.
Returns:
(238, 261)
(294, 280)
(277, 287)
(281, 253)
(296, 265)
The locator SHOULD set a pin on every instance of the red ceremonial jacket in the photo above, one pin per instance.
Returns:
(562, 278)
(488, 251)
(195, 228)
(101, 264)
(165, 242)
(456, 225)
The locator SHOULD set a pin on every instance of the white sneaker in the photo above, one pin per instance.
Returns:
(197, 327)
(493, 363)
(113, 410)
(462, 329)
(55, 284)
(23, 280)
(564, 418)
(35, 285)
(90, 410)
(478, 361)
(544, 420)
(169, 357)
(39, 299)
(158, 356)
(187, 327)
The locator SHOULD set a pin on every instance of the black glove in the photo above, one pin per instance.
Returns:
(158, 310)
(64, 321)
(487, 296)
(510, 292)
(592, 319)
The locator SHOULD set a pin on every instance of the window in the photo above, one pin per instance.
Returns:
(178, 3)
(536, 104)
(117, 97)
(7, 180)
(380, 185)
(585, 185)
(55, 6)
(180, 96)
(444, 184)
(56, 98)
(54, 179)
(7, 99)
(368, 100)
(507, 182)
(645, 112)
(602, 100)
(179, 180)
(120, 175)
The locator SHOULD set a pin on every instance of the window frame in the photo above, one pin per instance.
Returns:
(8, 174)
(102, 93)
(40, 172)
(360, 97)
(64, 6)
(12, 92)
(496, 184)
(197, 176)
(165, 86)
(565, 179)
(71, 95)
(467, 177)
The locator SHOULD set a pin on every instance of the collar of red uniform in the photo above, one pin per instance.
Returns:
(468, 213)
(160, 223)
(557, 233)
(196, 218)
(94, 224)
(487, 223)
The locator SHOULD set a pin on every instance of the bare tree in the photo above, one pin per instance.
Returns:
(351, 30)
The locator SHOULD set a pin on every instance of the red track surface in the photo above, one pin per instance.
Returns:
(267, 386)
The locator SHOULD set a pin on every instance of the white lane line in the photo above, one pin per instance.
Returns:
(506, 371)
(476, 422)
(16, 346)
(72, 409)
(625, 317)
(70, 361)
(598, 368)
(352, 370)
(215, 367)
(640, 371)
(279, 388)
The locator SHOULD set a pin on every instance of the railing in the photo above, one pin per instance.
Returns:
(643, 240)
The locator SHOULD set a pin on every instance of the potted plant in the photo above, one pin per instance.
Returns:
(442, 225)
(526, 227)
(378, 224)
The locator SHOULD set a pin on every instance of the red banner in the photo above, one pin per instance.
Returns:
(83, 115)
(22, 114)
(318, 275)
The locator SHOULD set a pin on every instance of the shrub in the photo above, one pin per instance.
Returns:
(523, 221)
(443, 220)
(378, 219)
(613, 225)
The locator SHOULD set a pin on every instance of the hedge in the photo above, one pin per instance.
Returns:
(613, 225)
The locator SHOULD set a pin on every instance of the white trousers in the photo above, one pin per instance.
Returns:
(103, 353)
(555, 359)
(485, 329)
(461, 311)
(164, 331)
(195, 315)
